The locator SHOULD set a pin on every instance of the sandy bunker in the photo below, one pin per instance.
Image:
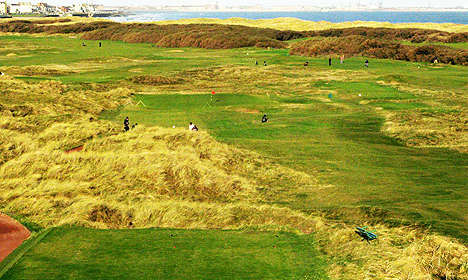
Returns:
(12, 234)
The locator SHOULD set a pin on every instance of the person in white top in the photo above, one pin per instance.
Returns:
(192, 127)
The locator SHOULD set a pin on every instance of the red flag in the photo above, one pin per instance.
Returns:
(212, 92)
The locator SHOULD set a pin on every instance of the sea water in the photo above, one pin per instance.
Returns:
(333, 16)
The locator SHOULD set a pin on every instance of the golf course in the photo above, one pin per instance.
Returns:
(381, 146)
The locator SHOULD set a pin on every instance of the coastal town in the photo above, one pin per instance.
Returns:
(21, 9)
(47, 10)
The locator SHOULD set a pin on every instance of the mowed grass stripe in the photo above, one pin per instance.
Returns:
(79, 253)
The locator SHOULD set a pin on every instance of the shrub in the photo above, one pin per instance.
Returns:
(360, 45)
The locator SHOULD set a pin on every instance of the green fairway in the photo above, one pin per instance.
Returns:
(78, 253)
(114, 60)
(345, 146)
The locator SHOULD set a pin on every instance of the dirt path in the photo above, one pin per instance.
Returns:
(12, 234)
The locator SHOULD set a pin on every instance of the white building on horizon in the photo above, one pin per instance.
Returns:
(3, 8)
(21, 8)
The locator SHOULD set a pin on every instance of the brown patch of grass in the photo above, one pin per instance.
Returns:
(424, 128)
(392, 34)
(245, 110)
(105, 215)
(36, 70)
(155, 80)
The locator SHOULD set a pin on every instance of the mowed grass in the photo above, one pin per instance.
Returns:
(113, 61)
(79, 253)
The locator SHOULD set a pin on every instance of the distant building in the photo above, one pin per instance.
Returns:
(4, 10)
(83, 9)
(65, 9)
(46, 9)
(21, 8)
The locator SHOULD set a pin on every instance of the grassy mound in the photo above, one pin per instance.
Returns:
(363, 46)
(155, 80)
(145, 166)
(391, 34)
(193, 35)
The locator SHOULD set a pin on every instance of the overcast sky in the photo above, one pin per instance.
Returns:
(266, 3)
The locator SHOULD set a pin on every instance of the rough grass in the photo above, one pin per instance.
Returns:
(377, 48)
(426, 127)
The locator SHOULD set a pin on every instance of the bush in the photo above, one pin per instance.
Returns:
(209, 36)
(392, 34)
(360, 45)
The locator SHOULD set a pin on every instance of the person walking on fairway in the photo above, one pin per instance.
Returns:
(264, 63)
(264, 118)
(366, 63)
(126, 124)
(99, 44)
(329, 61)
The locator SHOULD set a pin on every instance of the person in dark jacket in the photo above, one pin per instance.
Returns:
(264, 118)
(126, 124)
